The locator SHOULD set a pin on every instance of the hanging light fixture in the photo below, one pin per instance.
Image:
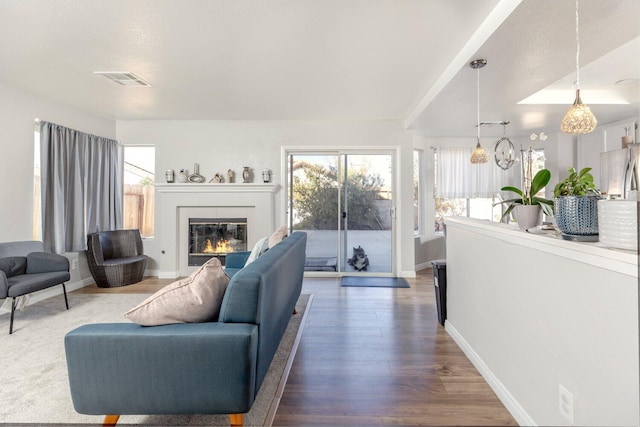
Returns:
(504, 151)
(478, 155)
(579, 119)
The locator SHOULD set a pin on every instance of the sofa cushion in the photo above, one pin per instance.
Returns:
(194, 299)
(13, 265)
(277, 236)
(260, 247)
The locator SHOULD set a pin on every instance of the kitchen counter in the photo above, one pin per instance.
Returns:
(534, 312)
(590, 253)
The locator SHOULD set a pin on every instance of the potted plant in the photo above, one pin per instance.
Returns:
(576, 206)
(528, 205)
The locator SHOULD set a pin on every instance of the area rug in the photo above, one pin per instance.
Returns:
(34, 388)
(374, 282)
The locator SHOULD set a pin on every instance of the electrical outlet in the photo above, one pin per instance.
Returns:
(74, 264)
(565, 402)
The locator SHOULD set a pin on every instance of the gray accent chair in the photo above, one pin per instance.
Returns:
(115, 257)
(191, 368)
(25, 268)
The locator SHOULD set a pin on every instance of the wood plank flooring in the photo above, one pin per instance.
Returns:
(376, 356)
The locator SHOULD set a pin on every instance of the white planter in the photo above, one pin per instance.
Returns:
(618, 223)
(528, 216)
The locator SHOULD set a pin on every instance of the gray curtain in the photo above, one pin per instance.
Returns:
(81, 181)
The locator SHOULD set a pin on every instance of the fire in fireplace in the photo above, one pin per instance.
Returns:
(215, 237)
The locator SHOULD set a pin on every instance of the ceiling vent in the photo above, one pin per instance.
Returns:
(124, 78)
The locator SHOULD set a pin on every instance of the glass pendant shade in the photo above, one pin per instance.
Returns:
(579, 119)
(479, 155)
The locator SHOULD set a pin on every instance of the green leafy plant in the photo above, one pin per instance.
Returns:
(577, 184)
(528, 195)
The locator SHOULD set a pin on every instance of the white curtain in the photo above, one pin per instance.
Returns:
(81, 182)
(459, 178)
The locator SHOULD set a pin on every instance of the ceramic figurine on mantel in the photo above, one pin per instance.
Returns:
(246, 174)
(230, 176)
(266, 175)
(170, 174)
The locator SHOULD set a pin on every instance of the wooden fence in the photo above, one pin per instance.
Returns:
(139, 208)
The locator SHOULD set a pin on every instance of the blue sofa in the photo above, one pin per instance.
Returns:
(193, 368)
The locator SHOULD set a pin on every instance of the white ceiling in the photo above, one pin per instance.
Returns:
(321, 60)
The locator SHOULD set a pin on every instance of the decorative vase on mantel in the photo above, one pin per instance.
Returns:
(246, 174)
(181, 176)
(528, 216)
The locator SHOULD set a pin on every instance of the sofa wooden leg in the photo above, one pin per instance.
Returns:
(110, 420)
(236, 419)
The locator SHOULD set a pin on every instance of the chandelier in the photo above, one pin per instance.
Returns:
(504, 151)
(579, 118)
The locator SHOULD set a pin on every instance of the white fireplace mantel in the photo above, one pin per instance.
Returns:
(175, 203)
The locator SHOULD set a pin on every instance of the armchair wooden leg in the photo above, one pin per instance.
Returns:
(110, 420)
(236, 419)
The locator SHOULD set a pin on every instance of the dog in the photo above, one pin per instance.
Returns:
(359, 261)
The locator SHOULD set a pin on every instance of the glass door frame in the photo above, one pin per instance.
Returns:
(342, 241)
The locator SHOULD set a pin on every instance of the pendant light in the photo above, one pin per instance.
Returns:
(504, 151)
(579, 118)
(478, 155)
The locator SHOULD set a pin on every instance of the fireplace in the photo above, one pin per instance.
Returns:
(215, 237)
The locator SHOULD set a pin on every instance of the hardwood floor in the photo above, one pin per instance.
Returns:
(376, 356)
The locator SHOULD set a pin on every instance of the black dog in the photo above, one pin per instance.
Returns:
(359, 261)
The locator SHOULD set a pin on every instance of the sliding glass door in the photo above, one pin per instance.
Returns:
(344, 202)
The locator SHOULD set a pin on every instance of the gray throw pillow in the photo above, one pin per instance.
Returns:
(13, 265)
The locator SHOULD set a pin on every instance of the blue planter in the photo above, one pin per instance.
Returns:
(577, 215)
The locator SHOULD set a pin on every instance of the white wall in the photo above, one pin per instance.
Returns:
(221, 145)
(18, 111)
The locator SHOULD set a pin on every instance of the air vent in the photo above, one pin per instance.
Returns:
(124, 78)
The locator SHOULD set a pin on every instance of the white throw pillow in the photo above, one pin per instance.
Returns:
(277, 236)
(194, 299)
(258, 249)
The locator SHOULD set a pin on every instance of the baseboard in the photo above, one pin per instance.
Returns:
(508, 400)
(423, 266)
(167, 274)
(407, 274)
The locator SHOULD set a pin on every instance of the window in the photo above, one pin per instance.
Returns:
(466, 189)
(417, 198)
(139, 190)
